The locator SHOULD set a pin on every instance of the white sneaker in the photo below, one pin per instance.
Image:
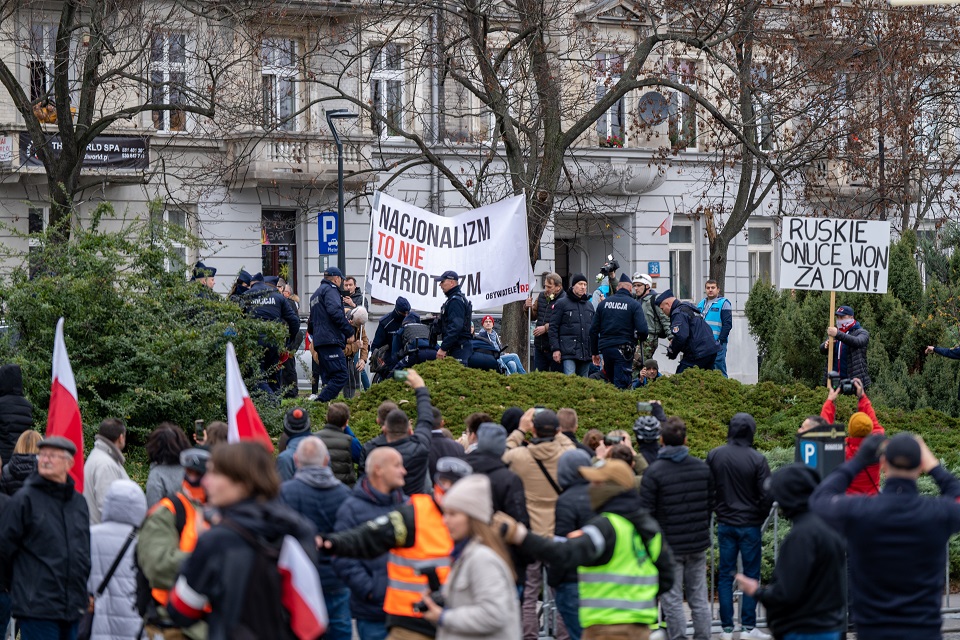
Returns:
(726, 635)
(312, 397)
(755, 633)
(658, 634)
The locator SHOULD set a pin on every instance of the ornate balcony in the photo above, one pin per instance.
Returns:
(263, 159)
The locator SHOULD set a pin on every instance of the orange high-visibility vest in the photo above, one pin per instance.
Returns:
(405, 584)
(188, 537)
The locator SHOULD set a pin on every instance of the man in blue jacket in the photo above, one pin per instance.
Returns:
(692, 336)
(618, 325)
(455, 320)
(331, 332)
(264, 302)
(897, 539)
(718, 314)
(316, 494)
(376, 494)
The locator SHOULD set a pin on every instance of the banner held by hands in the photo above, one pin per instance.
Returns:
(243, 421)
(63, 417)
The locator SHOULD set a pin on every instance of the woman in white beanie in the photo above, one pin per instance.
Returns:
(479, 595)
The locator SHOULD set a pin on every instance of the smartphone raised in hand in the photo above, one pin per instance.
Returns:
(400, 374)
(198, 433)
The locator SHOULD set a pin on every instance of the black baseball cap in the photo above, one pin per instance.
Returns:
(903, 452)
(447, 275)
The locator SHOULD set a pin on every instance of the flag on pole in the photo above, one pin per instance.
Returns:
(243, 421)
(301, 593)
(63, 417)
(666, 226)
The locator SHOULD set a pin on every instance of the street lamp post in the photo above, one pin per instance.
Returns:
(339, 114)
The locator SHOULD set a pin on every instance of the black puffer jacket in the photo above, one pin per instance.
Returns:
(341, 458)
(570, 321)
(573, 505)
(16, 412)
(852, 348)
(739, 474)
(45, 550)
(415, 449)
(16, 472)
(223, 569)
(677, 490)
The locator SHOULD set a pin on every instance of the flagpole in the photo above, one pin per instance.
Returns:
(366, 260)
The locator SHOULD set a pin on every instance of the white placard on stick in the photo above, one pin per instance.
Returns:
(826, 254)
(487, 247)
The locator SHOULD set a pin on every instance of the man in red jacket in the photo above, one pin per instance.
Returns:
(861, 424)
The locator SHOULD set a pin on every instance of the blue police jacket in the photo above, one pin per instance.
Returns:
(619, 320)
(266, 303)
(692, 336)
(456, 320)
(328, 325)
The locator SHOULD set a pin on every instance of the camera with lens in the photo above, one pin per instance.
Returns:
(609, 266)
(844, 385)
(433, 581)
(612, 441)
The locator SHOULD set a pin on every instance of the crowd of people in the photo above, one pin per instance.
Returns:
(415, 535)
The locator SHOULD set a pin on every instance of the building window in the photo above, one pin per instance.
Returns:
(683, 108)
(606, 73)
(681, 261)
(43, 43)
(760, 245)
(168, 79)
(386, 89)
(177, 221)
(278, 240)
(762, 105)
(36, 224)
(279, 75)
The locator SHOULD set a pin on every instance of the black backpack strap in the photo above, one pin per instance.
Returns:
(549, 478)
(179, 512)
(116, 561)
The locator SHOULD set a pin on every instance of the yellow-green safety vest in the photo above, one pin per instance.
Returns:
(624, 590)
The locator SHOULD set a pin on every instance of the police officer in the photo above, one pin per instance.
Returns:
(240, 287)
(204, 276)
(330, 330)
(692, 336)
(264, 302)
(455, 320)
(617, 326)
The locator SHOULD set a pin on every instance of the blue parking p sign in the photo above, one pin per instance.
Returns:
(329, 233)
(808, 453)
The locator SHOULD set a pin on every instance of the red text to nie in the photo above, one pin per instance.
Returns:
(409, 254)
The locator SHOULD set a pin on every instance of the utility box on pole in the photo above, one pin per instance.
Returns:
(821, 448)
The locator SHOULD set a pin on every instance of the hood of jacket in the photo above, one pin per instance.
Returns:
(365, 492)
(741, 430)
(674, 453)
(484, 462)
(125, 502)
(269, 520)
(791, 487)
(568, 468)
(317, 477)
(11, 380)
(108, 448)
(545, 448)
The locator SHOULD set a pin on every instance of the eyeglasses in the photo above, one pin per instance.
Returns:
(52, 455)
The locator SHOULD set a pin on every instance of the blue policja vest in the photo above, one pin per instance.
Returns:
(712, 315)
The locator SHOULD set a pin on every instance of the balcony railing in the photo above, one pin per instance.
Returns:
(261, 158)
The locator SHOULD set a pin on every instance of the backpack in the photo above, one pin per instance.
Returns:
(146, 605)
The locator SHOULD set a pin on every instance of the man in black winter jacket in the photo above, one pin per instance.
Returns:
(807, 594)
(415, 447)
(16, 412)
(45, 547)
(573, 512)
(897, 539)
(739, 473)
(678, 492)
(570, 320)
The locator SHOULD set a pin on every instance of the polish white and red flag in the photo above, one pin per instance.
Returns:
(666, 226)
(302, 595)
(243, 421)
(63, 417)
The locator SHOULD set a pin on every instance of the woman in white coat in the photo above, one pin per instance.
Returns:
(115, 615)
(480, 595)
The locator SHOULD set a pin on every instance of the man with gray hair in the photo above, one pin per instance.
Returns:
(316, 494)
(540, 312)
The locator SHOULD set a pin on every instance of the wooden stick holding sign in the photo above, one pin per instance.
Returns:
(832, 322)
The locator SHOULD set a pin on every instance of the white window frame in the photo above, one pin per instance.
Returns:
(180, 217)
(163, 89)
(683, 108)
(763, 97)
(677, 251)
(34, 244)
(383, 80)
(42, 46)
(279, 68)
(607, 68)
(755, 250)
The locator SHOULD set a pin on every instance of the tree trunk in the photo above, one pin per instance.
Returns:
(514, 330)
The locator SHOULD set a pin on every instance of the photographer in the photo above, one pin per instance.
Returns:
(861, 424)
(850, 352)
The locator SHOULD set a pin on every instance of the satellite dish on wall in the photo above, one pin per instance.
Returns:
(654, 108)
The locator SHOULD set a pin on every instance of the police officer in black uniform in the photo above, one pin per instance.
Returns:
(455, 320)
(264, 302)
(692, 336)
(203, 276)
(331, 331)
(618, 325)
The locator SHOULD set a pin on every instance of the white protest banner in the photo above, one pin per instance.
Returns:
(826, 254)
(487, 247)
